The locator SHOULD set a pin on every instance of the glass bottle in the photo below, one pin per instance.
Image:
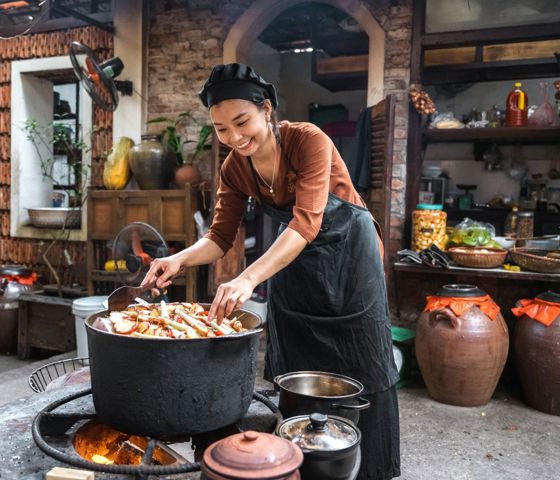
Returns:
(494, 117)
(516, 107)
(510, 225)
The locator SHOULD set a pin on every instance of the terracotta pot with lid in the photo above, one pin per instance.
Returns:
(252, 455)
(330, 444)
(536, 345)
(461, 345)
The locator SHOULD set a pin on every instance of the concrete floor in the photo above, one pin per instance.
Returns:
(503, 440)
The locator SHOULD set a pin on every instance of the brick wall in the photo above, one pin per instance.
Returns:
(23, 251)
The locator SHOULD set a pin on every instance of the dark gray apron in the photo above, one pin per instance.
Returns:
(328, 310)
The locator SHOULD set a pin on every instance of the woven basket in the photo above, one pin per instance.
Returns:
(492, 258)
(535, 260)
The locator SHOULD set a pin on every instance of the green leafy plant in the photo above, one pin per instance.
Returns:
(58, 139)
(171, 138)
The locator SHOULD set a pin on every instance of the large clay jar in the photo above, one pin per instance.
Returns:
(536, 345)
(188, 173)
(151, 163)
(461, 345)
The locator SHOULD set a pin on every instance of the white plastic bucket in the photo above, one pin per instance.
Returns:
(82, 308)
(256, 306)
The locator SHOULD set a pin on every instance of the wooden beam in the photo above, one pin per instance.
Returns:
(447, 56)
(503, 34)
(346, 64)
(520, 51)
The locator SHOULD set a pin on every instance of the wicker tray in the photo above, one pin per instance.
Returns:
(465, 257)
(535, 260)
(44, 376)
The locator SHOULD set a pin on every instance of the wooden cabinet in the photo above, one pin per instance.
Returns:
(45, 322)
(168, 211)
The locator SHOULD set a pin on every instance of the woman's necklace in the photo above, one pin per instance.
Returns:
(270, 185)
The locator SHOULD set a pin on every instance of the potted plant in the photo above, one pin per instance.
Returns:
(61, 154)
(187, 171)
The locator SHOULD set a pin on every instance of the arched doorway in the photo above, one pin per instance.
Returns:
(257, 17)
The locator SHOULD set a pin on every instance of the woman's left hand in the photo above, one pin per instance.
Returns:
(229, 297)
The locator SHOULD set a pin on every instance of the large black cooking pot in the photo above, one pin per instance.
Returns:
(306, 392)
(164, 387)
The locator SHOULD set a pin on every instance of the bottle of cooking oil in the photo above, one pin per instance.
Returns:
(510, 225)
(516, 107)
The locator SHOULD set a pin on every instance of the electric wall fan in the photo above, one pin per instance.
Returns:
(134, 247)
(98, 78)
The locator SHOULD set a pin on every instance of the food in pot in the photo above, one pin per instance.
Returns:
(173, 320)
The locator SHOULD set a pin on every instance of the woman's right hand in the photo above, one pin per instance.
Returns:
(162, 270)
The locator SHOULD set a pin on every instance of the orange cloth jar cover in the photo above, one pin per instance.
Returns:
(539, 310)
(459, 305)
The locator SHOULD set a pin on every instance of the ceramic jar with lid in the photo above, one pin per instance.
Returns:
(536, 346)
(461, 345)
(252, 455)
(330, 444)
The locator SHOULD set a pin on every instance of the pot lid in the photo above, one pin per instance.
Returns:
(18, 270)
(549, 296)
(320, 432)
(460, 290)
(253, 455)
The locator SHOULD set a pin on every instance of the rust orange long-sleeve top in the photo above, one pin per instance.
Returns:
(310, 167)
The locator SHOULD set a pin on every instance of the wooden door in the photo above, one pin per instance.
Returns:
(379, 196)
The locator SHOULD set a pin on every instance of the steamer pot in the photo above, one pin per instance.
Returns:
(330, 445)
(172, 387)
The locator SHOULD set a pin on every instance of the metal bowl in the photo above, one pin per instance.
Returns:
(55, 217)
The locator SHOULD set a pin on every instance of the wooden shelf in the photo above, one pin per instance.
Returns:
(495, 273)
(498, 135)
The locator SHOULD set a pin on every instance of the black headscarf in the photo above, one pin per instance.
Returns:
(236, 81)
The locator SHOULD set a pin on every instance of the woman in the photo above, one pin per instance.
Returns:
(327, 305)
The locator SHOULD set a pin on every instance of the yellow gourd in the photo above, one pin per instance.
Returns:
(116, 171)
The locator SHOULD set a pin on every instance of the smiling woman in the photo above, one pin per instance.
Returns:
(326, 259)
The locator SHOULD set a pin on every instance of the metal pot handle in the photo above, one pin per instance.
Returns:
(362, 406)
(443, 314)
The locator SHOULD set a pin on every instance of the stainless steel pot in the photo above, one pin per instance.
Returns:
(306, 392)
(330, 445)
(172, 387)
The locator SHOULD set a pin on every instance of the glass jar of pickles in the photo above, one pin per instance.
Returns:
(428, 226)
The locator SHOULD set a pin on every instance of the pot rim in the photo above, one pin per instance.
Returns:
(316, 373)
(233, 336)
